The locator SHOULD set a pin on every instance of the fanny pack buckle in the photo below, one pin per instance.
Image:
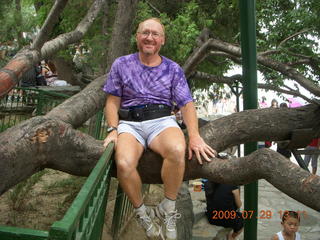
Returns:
(137, 114)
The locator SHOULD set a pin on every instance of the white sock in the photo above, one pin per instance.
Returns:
(168, 205)
(141, 210)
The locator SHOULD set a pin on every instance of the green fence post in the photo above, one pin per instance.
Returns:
(97, 131)
(117, 213)
(249, 69)
(40, 103)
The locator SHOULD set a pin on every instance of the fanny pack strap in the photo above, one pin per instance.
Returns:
(143, 114)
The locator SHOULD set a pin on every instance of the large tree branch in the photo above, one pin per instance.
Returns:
(285, 69)
(63, 40)
(92, 98)
(26, 58)
(40, 143)
(285, 91)
(44, 142)
(46, 29)
(231, 80)
(201, 52)
(197, 56)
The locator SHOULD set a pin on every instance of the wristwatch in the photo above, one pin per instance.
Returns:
(110, 129)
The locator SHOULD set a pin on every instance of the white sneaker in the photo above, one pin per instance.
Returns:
(169, 221)
(146, 221)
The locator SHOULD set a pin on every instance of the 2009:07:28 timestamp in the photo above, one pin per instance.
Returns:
(248, 214)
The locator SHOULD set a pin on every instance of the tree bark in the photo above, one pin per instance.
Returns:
(49, 142)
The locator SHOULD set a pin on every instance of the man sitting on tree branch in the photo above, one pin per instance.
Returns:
(142, 88)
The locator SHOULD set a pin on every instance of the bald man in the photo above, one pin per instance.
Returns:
(142, 89)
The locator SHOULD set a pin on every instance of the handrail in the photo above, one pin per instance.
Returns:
(85, 218)
(78, 221)
(14, 233)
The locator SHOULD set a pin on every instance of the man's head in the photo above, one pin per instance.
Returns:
(150, 36)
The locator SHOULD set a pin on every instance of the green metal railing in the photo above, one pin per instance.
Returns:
(123, 211)
(24, 103)
(85, 218)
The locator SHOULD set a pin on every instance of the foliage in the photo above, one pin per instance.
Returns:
(17, 28)
(279, 19)
(11, 25)
(184, 20)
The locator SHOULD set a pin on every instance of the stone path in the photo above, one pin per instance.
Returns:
(269, 199)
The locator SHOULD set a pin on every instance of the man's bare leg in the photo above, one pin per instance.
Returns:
(128, 153)
(170, 144)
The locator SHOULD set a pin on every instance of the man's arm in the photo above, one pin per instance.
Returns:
(196, 143)
(112, 117)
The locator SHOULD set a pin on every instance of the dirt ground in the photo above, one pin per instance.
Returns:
(40, 201)
(45, 198)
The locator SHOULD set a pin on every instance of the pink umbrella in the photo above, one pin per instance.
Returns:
(294, 102)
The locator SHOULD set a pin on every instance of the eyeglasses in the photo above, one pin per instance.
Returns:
(146, 34)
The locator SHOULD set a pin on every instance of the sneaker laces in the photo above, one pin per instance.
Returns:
(171, 219)
(145, 221)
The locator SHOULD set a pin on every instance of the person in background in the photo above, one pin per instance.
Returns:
(263, 103)
(40, 79)
(282, 145)
(274, 103)
(314, 145)
(142, 89)
(290, 223)
(223, 199)
(28, 78)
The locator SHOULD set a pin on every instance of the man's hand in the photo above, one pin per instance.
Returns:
(200, 148)
(112, 137)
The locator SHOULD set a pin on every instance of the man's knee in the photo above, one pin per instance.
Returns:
(176, 153)
(125, 166)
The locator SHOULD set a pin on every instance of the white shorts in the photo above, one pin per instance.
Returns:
(146, 131)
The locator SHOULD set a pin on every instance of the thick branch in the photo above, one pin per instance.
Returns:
(40, 143)
(197, 56)
(231, 80)
(48, 25)
(63, 40)
(77, 109)
(214, 78)
(80, 107)
(281, 90)
(263, 164)
(43, 142)
(286, 70)
(26, 58)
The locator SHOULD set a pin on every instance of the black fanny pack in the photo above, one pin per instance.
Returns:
(144, 112)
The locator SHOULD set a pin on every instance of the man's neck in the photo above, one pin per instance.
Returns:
(150, 60)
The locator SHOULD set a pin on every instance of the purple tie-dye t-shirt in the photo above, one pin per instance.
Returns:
(138, 84)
